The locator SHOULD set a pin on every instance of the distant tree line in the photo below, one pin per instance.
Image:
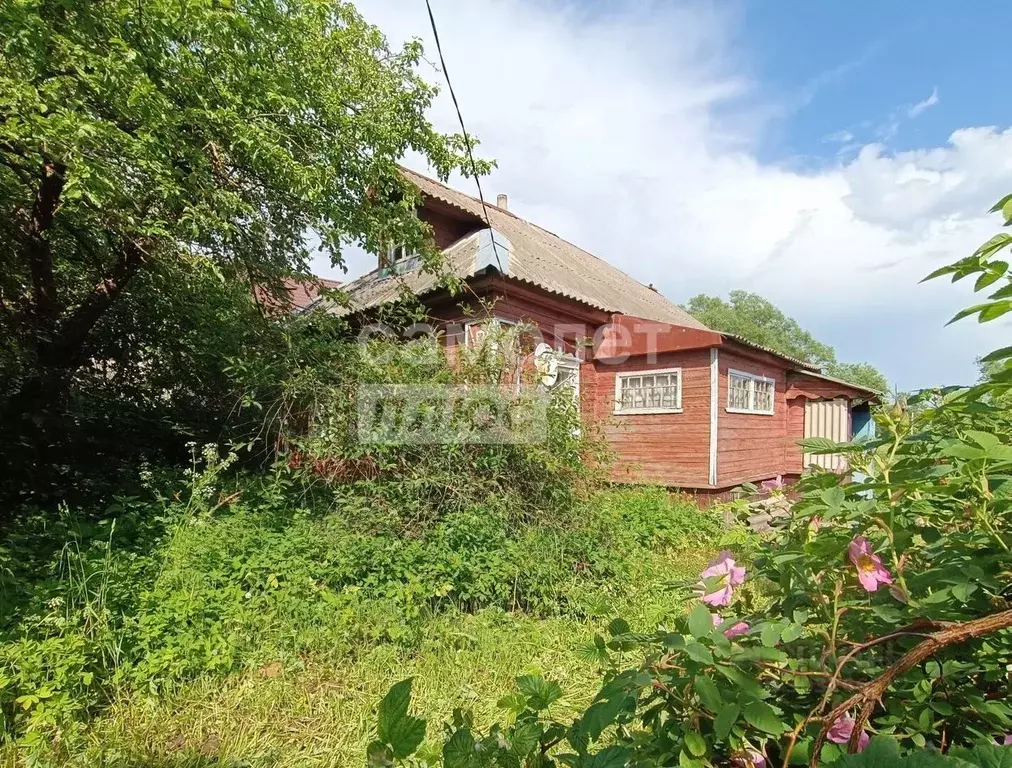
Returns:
(754, 318)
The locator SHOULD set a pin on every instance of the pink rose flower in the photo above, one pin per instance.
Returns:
(841, 731)
(720, 597)
(750, 758)
(726, 575)
(738, 629)
(733, 631)
(870, 571)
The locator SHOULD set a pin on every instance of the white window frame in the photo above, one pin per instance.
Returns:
(391, 259)
(620, 377)
(752, 377)
(573, 363)
(478, 322)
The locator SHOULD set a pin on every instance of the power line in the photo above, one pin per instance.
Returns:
(467, 140)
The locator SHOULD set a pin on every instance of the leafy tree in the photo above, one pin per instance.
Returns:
(865, 374)
(144, 146)
(754, 318)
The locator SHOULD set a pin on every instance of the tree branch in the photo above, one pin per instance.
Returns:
(65, 349)
(871, 693)
(38, 249)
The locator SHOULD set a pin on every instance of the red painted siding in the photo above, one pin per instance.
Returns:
(751, 446)
(669, 449)
(561, 322)
(672, 449)
(446, 230)
(815, 388)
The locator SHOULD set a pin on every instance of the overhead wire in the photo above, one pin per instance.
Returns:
(467, 140)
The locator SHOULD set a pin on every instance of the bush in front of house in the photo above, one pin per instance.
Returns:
(228, 566)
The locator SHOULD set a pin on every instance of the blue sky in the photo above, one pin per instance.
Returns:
(824, 155)
(860, 66)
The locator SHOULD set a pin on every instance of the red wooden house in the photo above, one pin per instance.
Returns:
(681, 405)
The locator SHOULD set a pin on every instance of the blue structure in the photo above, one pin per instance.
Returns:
(861, 423)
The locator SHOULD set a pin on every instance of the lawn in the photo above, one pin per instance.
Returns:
(256, 637)
(314, 713)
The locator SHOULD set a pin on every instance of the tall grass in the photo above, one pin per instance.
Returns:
(264, 627)
(311, 711)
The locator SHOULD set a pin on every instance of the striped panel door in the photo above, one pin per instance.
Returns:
(827, 418)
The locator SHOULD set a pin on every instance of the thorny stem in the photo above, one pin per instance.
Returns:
(837, 590)
(835, 682)
(897, 568)
(983, 515)
(871, 693)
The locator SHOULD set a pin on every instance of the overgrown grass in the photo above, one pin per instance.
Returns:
(309, 712)
(320, 714)
(265, 628)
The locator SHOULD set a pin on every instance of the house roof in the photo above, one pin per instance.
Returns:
(802, 367)
(802, 364)
(305, 291)
(302, 292)
(819, 375)
(531, 255)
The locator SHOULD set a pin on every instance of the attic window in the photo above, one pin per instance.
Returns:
(750, 393)
(398, 253)
(658, 391)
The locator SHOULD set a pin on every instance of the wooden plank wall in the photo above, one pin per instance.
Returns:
(446, 229)
(751, 446)
(794, 456)
(671, 449)
(667, 448)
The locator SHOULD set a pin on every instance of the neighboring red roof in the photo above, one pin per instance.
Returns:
(305, 292)
(302, 293)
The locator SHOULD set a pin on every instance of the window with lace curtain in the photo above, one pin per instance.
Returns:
(750, 393)
(657, 391)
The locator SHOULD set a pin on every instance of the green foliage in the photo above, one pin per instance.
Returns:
(237, 571)
(399, 733)
(159, 381)
(526, 740)
(154, 174)
(310, 394)
(755, 319)
(885, 752)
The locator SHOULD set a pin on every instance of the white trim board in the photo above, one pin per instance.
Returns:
(714, 411)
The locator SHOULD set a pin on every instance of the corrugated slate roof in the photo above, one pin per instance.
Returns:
(835, 380)
(374, 288)
(536, 256)
(762, 347)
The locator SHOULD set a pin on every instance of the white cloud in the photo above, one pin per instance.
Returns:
(839, 137)
(921, 106)
(626, 134)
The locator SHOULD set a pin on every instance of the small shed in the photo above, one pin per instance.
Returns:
(823, 406)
